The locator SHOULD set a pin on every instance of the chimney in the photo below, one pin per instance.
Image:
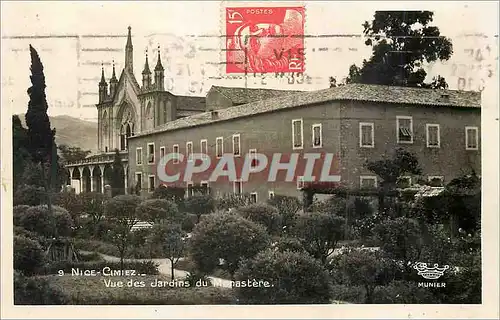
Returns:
(214, 114)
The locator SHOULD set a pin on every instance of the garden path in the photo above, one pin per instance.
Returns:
(164, 267)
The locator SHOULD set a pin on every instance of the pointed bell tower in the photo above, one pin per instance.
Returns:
(159, 74)
(146, 75)
(129, 52)
(103, 86)
(113, 82)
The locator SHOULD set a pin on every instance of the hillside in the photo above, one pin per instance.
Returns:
(73, 131)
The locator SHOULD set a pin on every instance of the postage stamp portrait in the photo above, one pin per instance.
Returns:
(264, 39)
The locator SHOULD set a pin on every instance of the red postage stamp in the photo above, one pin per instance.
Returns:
(265, 39)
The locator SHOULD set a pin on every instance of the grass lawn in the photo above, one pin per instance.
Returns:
(145, 290)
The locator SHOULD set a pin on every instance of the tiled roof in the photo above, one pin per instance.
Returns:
(429, 98)
(191, 103)
(246, 95)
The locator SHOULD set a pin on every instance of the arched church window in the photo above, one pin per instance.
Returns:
(149, 116)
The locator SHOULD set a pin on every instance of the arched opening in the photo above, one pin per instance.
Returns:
(105, 132)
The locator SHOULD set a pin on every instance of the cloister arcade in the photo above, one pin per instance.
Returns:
(94, 174)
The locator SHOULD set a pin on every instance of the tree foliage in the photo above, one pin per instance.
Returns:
(228, 237)
(72, 154)
(117, 175)
(171, 193)
(170, 239)
(402, 43)
(294, 278)
(28, 255)
(199, 204)
(288, 207)
(50, 224)
(123, 214)
(160, 211)
(319, 232)
(266, 215)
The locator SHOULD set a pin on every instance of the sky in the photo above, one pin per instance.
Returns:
(73, 39)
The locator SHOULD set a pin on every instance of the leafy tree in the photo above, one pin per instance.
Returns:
(122, 212)
(93, 204)
(390, 170)
(20, 152)
(72, 154)
(293, 277)
(288, 243)
(228, 237)
(28, 255)
(41, 138)
(363, 268)
(50, 224)
(233, 201)
(400, 239)
(288, 207)
(117, 176)
(402, 42)
(160, 211)
(403, 292)
(175, 194)
(319, 233)
(199, 204)
(264, 214)
(172, 242)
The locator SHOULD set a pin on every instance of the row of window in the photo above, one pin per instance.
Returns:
(404, 131)
(190, 190)
(370, 182)
(219, 150)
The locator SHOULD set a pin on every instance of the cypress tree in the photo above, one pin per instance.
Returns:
(118, 176)
(40, 136)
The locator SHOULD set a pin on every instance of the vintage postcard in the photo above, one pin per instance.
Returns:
(218, 159)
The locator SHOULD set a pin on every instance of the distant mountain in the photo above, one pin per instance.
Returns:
(73, 132)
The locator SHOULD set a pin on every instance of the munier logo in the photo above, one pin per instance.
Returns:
(430, 273)
(306, 167)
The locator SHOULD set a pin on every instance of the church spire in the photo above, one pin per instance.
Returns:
(103, 79)
(113, 77)
(129, 51)
(159, 74)
(146, 74)
(159, 66)
(103, 86)
(146, 65)
(113, 82)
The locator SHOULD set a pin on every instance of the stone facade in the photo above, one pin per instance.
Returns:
(267, 127)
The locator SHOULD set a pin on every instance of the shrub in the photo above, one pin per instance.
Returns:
(266, 215)
(159, 211)
(319, 232)
(403, 292)
(227, 237)
(287, 207)
(289, 244)
(38, 219)
(363, 268)
(293, 277)
(141, 267)
(28, 255)
(30, 195)
(174, 194)
(18, 213)
(36, 291)
(351, 294)
(189, 222)
(199, 205)
(400, 238)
